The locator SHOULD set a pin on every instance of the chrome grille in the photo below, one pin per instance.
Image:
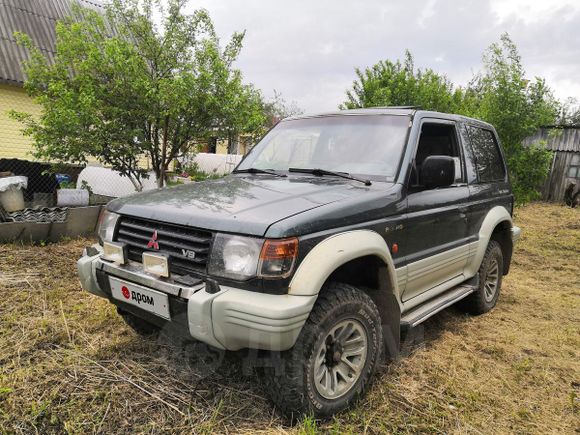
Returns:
(173, 240)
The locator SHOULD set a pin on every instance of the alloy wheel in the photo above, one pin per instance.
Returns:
(491, 280)
(340, 359)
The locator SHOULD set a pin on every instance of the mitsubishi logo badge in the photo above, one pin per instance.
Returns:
(153, 242)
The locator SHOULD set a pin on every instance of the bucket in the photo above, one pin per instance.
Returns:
(11, 197)
(72, 197)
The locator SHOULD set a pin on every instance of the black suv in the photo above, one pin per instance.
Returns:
(332, 236)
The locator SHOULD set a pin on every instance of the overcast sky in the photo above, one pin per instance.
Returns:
(307, 50)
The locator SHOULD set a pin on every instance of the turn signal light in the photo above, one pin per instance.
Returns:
(277, 258)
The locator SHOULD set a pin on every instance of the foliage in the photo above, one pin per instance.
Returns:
(121, 89)
(500, 94)
(195, 173)
(85, 185)
(68, 185)
(516, 107)
(528, 169)
(569, 113)
(389, 83)
(277, 108)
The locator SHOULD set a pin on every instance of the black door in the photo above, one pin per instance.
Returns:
(437, 246)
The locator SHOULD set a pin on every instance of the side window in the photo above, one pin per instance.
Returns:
(437, 139)
(488, 159)
(471, 169)
(574, 168)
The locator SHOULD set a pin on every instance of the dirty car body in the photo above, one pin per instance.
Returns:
(402, 212)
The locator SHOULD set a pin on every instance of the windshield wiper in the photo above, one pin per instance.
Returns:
(258, 171)
(320, 172)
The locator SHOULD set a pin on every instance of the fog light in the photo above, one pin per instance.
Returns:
(157, 264)
(116, 252)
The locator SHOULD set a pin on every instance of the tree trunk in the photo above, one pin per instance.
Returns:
(136, 184)
(163, 164)
(160, 178)
(232, 143)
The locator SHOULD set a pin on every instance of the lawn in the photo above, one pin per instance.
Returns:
(69, 364)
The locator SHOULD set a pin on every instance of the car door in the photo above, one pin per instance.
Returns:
(436, 226)
(487, 180)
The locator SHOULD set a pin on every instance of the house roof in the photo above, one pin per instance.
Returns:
(36, 18)
(557, 138)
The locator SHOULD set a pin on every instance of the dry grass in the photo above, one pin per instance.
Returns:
(69, 364)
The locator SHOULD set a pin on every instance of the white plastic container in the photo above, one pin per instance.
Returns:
(11, 196)
(72, 197)
(106, 182)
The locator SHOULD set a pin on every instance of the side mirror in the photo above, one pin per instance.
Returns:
(438, 171)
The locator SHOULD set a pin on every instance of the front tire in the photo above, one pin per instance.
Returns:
(335, 356)
(490, 278)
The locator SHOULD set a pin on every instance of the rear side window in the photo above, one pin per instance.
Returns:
(488, 159)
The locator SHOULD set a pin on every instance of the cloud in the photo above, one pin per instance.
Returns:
(308, 50)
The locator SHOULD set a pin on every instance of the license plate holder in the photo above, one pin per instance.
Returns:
(149, 300)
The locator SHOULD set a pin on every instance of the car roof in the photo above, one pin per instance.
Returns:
(392, 110)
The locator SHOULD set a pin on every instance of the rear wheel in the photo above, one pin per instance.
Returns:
(490, 278)
(335, 356)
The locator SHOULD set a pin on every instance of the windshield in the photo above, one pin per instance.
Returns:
(366, 145)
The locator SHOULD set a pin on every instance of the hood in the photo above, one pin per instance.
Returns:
(245, 204)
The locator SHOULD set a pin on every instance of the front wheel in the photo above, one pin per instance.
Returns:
(335, 356)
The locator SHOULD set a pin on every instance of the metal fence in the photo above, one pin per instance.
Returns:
(33, 191)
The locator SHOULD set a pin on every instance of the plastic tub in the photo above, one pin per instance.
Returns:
(72, 197)
(11, 196)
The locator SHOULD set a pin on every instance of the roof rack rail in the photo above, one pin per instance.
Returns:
(396, 107)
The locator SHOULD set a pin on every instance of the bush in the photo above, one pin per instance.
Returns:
(528, 169)
(195, 173)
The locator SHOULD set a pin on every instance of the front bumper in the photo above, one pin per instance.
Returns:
(229, 319)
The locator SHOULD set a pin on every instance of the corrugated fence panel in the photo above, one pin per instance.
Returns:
(565, 142)
(557, 139)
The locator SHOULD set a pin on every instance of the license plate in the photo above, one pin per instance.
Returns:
(149, 300)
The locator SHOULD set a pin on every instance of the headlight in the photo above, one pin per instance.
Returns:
(107, 223)
(241, 258)
(235, 257)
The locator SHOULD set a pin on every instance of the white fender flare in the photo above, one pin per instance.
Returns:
(494, 217)
(333, 252)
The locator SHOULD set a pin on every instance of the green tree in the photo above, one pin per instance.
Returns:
(397, 83)
(500, 94)
(516, 107)
(121, 88)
